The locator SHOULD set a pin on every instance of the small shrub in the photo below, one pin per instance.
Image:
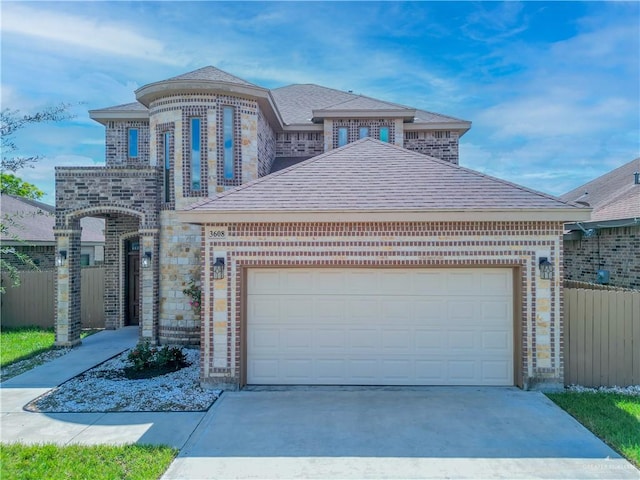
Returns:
(146, 361)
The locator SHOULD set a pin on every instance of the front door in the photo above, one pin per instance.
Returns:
(132, 282)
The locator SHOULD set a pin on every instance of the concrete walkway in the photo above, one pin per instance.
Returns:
(17, 425)
(326, 433)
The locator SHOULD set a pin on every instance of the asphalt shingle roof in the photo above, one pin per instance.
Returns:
(612, 196)
(212, 74)
(33, 221)
(137, 106)
(369, 175)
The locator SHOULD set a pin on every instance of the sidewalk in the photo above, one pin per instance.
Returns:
(17, 425)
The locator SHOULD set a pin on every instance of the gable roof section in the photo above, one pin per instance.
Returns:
(33, 222)
(375, 181)
(613, 196)
(127, 111)
(300, 103)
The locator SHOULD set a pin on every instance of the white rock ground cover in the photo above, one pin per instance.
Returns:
(105, 388)
(631, 390)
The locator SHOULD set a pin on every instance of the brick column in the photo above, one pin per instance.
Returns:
(67, 314)
(149, 286)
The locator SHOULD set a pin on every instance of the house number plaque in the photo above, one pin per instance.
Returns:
(217, 234)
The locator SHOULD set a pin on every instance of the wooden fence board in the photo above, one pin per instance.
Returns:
(602, 329)
(33, 302)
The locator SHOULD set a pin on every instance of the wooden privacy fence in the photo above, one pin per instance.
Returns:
(33, 302)
(602, 335)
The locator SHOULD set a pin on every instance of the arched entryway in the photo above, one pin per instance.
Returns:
(131, 266)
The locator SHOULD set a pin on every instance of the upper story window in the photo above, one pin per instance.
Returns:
(343, 136)
(196, 159)
(384, 134)
(363, 132)
(167, 166)
(228, 143)
(133, 143)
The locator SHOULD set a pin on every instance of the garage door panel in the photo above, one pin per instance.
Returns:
(380, 327)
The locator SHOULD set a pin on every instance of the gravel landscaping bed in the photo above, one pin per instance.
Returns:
(631, 390)
(105, 388)
(22, 366)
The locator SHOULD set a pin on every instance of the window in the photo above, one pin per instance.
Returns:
(167, 167)
(195, 155)
(384, 134)
(343, 136)
(85, 260)
(133, 142)
(227, 132)
(364, 132)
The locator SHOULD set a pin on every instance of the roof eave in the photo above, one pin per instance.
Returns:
(462, 127)
(105, 116)
(280, 216)
(596, 224)
(405, 114)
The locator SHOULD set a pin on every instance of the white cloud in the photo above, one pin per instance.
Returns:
(84, 33)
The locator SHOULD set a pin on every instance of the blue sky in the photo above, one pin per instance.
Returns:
(552, 88)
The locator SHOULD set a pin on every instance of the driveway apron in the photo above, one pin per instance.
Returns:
(440, 432)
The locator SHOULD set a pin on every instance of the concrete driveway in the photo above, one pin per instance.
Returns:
(457, 432)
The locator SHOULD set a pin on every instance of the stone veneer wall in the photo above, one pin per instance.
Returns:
(117, 143)
(614, 249)
(179, 264)
(439, 144)
(299, 144)
(516, 245)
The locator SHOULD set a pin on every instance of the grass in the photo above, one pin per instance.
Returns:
(613, 417)
(22, 343)
(18, 461)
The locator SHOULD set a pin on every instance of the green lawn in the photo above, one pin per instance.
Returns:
(613, 417)
(53, 462)
(22, 343)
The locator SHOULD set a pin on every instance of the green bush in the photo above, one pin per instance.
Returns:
(145, 357)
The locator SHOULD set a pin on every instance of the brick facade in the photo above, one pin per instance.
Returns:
(441, 144)
(614, 249)
(299, 144)
(42, 255)
(516, 245)
(117, 143)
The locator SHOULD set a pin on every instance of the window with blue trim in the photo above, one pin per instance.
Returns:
(228, 143)
(384, 134)
(133, 142)
(167, 167)
(364, 132)
(343, 136)
(196, 160)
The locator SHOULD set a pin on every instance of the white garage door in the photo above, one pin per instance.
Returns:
(336, 326)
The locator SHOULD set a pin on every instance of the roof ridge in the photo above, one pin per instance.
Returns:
(456, 166)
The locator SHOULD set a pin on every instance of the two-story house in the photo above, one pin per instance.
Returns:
(334, 238)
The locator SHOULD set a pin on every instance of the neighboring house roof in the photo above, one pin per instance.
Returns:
(613, 196)
(373, 177)
(33, 222)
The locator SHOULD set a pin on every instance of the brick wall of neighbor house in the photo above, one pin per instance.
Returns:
(509, 244)
(266, 145)
(613, 249)
(299, 144)
(179, 264)
(117, 143)
(42, 255)
(441, 144)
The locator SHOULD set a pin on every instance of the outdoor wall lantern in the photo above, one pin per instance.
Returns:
(146, 260)
(218, 269)
(546, 268)
(61, 258)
